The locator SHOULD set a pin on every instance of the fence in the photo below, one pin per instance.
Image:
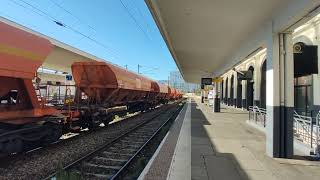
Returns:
(306, 128)
(258, 115)
(55, 94)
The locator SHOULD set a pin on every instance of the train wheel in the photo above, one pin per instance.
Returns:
(94, 122)
(13, 145)
(53, 133)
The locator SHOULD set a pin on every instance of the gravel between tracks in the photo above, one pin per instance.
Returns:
(41, 163)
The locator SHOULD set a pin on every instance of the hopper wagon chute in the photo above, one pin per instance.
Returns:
(101, 86)
(164, 93)
(23, 119)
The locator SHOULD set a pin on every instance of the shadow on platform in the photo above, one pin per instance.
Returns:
(206, 161)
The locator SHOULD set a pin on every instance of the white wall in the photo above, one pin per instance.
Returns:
(308, 33)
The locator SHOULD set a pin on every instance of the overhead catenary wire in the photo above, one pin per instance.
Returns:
(74, 16)
(23, 6)
(148, 70)
(79, 20)
(134, 19)
(141, 14)
(59, 23)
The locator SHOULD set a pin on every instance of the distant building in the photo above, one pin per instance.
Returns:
(176, 81)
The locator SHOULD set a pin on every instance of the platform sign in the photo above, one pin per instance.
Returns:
(206, 81)
(69, 77)
(306, 61)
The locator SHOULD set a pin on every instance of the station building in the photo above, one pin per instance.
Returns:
(176, 81)
(277, 45)
(266, 55)
(303, 86)
(246, 93)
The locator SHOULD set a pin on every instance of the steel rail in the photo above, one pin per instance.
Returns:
(145, 144)
(77, 135)
(130, 130)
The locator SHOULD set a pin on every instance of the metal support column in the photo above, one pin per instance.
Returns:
(217, 98)
(280, 96)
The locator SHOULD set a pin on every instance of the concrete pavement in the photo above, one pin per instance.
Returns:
(223, 147)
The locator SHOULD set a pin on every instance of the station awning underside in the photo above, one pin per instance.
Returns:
(61, 59)
(202, 35)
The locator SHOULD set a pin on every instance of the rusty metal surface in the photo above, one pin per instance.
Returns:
(173, 93)
(19, 103)
(21, 53)
(106, 82)
(105, 75)
(163, 88)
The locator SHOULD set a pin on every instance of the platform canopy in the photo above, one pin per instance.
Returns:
(202, 34)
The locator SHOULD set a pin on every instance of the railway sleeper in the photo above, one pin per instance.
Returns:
(138, 138)
(122, 151)
(109, 161)
(116, 155)
(128, 145)
(120, 147)
(80, 174)
(98, 168)
(142, 133)
(95, 176)
(136, 141)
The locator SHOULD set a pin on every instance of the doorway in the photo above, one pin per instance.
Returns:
(263, 85)
(250, 88)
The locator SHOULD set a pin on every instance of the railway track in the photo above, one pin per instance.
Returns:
(65, 140)
(43, 162)
(111, 160)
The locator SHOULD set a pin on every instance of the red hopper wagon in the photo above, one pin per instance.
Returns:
(23, 119)
(101, 91)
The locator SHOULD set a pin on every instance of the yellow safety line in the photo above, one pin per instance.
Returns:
(21, 53)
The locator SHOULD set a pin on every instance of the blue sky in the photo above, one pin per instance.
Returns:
(125, 36)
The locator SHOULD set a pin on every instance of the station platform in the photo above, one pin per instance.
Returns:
(206, 145)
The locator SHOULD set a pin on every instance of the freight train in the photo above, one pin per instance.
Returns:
(30, 118)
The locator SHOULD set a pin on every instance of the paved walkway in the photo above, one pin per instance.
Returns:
(163, 164)
(224, 146)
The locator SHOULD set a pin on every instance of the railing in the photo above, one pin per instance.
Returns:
(306, 129)
(317, 147)
(257, 115)
(55, 94)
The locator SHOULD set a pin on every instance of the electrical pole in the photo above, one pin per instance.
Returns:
(139, 68)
